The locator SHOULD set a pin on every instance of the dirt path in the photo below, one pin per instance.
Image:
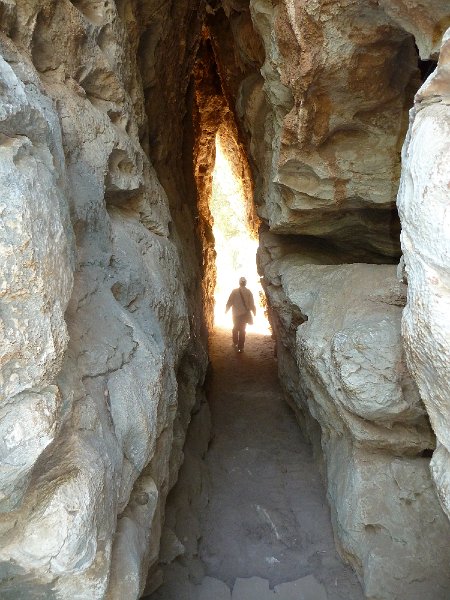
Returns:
(266, 514)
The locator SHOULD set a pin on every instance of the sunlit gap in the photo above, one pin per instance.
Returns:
(235, 244)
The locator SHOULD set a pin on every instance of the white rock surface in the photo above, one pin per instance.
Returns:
(323, 111)
(102, 353)
(423, 202)
(341, 325)
(32, 326)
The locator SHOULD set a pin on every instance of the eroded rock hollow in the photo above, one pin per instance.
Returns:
(108, 116)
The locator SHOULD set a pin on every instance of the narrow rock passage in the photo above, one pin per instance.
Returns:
(266, 516)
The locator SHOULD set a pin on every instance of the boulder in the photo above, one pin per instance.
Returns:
(343, 367)
(423, 207)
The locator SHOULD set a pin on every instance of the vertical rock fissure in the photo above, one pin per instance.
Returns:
(324, 151)
(213, 115)
(108, 272)
(323, 132)
(249, 512)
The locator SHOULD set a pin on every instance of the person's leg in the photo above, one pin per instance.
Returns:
(242, 326)
(235, 331)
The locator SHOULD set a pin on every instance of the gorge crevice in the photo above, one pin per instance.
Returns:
(249, 509)
(108, 115)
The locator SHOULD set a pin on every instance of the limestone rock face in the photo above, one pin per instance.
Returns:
(34, 334)
(102, 345)
(342, 363)
(326, 117)
(323, 100)
(423, 205)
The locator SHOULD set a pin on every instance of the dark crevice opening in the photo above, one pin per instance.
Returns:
(425, 66)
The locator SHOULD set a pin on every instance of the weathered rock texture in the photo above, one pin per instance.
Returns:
(342, 363)
(423, 202)
(213, 118)
(106, 254)
(426, 21)
(326, 117)
(102, 352)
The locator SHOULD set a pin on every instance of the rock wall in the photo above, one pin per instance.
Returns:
(103, 351)
(327, 142)
(106, 254)
(423, 205)
(343, 368)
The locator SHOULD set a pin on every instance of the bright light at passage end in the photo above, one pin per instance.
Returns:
(234, 244)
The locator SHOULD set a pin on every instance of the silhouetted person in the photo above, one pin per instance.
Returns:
(241, 300)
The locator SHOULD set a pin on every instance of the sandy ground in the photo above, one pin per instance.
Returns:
(266, 513)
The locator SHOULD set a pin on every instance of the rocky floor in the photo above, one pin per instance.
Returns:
(264, 528)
